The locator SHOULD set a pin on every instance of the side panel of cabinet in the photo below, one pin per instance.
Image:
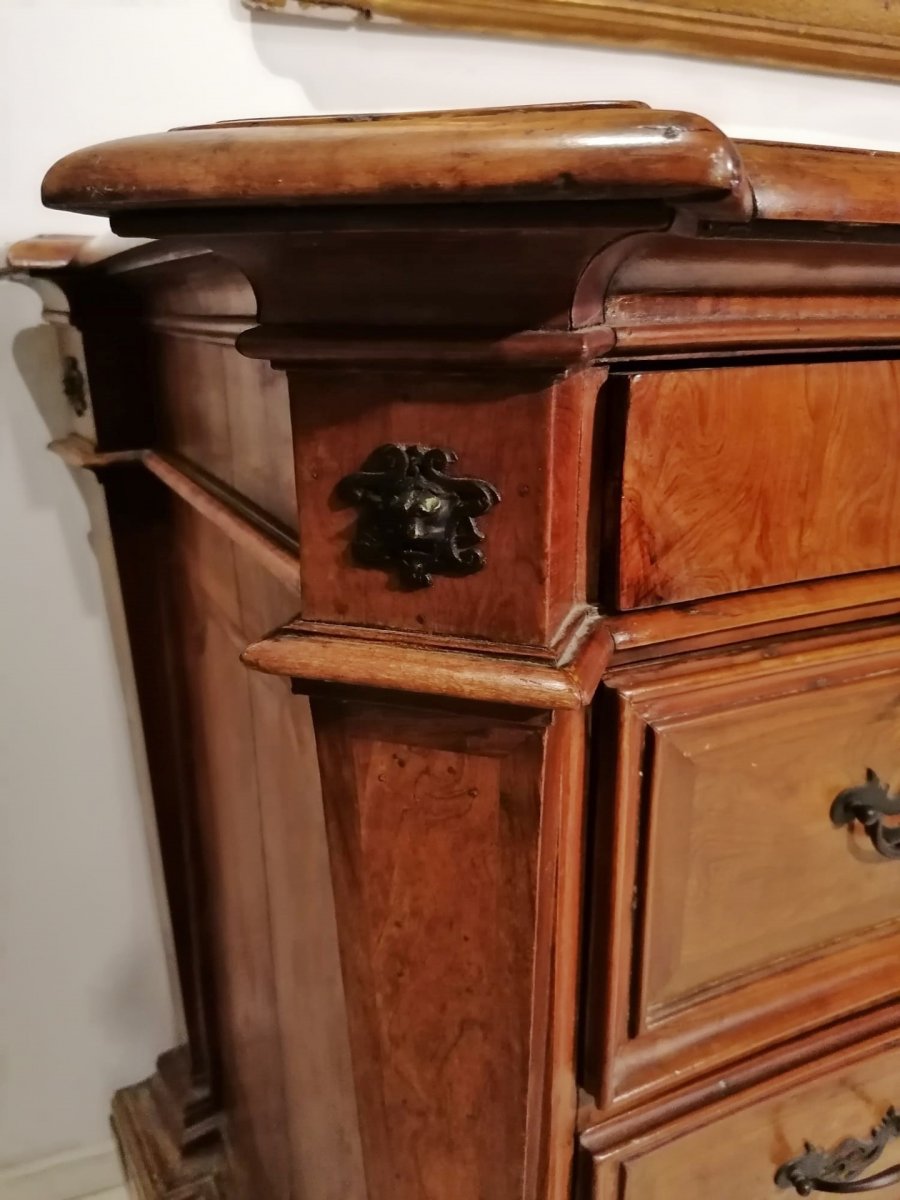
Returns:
(233, 757)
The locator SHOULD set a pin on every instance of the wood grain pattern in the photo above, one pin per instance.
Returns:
(378, 900)
(536, 153)
(230, 417)
(726, 775)
(505, 430)
(436, 976)
(737, 1153)
(705, 624)
(699, 515)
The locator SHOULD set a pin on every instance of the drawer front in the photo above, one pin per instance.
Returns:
(743, 913)
(754, 476)
(736, 1156)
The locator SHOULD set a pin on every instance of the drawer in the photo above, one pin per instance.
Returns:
(740, 913)
(754, 476)
(734, 1151)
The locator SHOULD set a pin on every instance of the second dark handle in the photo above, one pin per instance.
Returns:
(869, 804)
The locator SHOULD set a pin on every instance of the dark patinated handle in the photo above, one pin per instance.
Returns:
(870, 804)
(837, 1171)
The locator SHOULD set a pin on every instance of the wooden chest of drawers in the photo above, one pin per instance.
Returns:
(507, 513)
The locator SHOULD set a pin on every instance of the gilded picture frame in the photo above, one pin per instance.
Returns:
(850, 37)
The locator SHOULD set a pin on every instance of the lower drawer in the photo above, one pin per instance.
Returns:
(731, 910)
(736, 1149)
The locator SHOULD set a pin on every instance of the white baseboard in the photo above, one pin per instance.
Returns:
(75, 1175)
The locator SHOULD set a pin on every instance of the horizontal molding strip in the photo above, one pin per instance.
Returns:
(483, 676)
(792, 608)
(243, 522)
(288, 345)
(222, 330)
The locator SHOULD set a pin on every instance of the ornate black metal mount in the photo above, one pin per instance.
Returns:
(73, 386)
(869, 804)
(835, 1171)
(414, 518)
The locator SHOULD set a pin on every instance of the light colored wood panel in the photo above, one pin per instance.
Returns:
(753, 476)
(259, 423)
(737, 1156)
(740, 826)
(740, 915)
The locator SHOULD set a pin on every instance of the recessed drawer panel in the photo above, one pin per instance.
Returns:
(755, 476)
(747, 909)
(749, 1147)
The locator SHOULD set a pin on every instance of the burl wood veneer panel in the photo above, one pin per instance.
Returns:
(433, 825)
(745, 477)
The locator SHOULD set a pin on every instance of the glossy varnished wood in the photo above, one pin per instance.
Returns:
(747, 477)
(481, 154)
(672, 355)
(436, 978)
(504, 430)
(726, 770)
(739, 1144)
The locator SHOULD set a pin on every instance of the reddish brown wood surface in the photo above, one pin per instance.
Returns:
(439, 1017)
(753, 476)
(401, 1006)
(489, 154)
(467, 671)
(506, 430)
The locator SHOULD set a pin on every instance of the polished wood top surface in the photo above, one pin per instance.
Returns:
(546, 153)
(592, 151)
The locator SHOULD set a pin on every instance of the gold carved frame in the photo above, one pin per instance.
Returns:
(852, 37)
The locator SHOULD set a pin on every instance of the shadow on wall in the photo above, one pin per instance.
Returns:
(345, 62)
(48, 485)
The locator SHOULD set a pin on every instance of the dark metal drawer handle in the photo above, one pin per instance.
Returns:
(836, 1170)
(869, 804)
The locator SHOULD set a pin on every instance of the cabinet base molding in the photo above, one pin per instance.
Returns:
(160, 1166)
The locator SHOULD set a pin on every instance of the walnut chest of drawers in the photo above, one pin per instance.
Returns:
(507, 512)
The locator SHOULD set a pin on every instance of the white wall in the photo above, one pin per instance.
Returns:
(84, 998)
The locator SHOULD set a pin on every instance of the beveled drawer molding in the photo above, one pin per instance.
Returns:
(504, 504)
(742, 933)
(744, 1140)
